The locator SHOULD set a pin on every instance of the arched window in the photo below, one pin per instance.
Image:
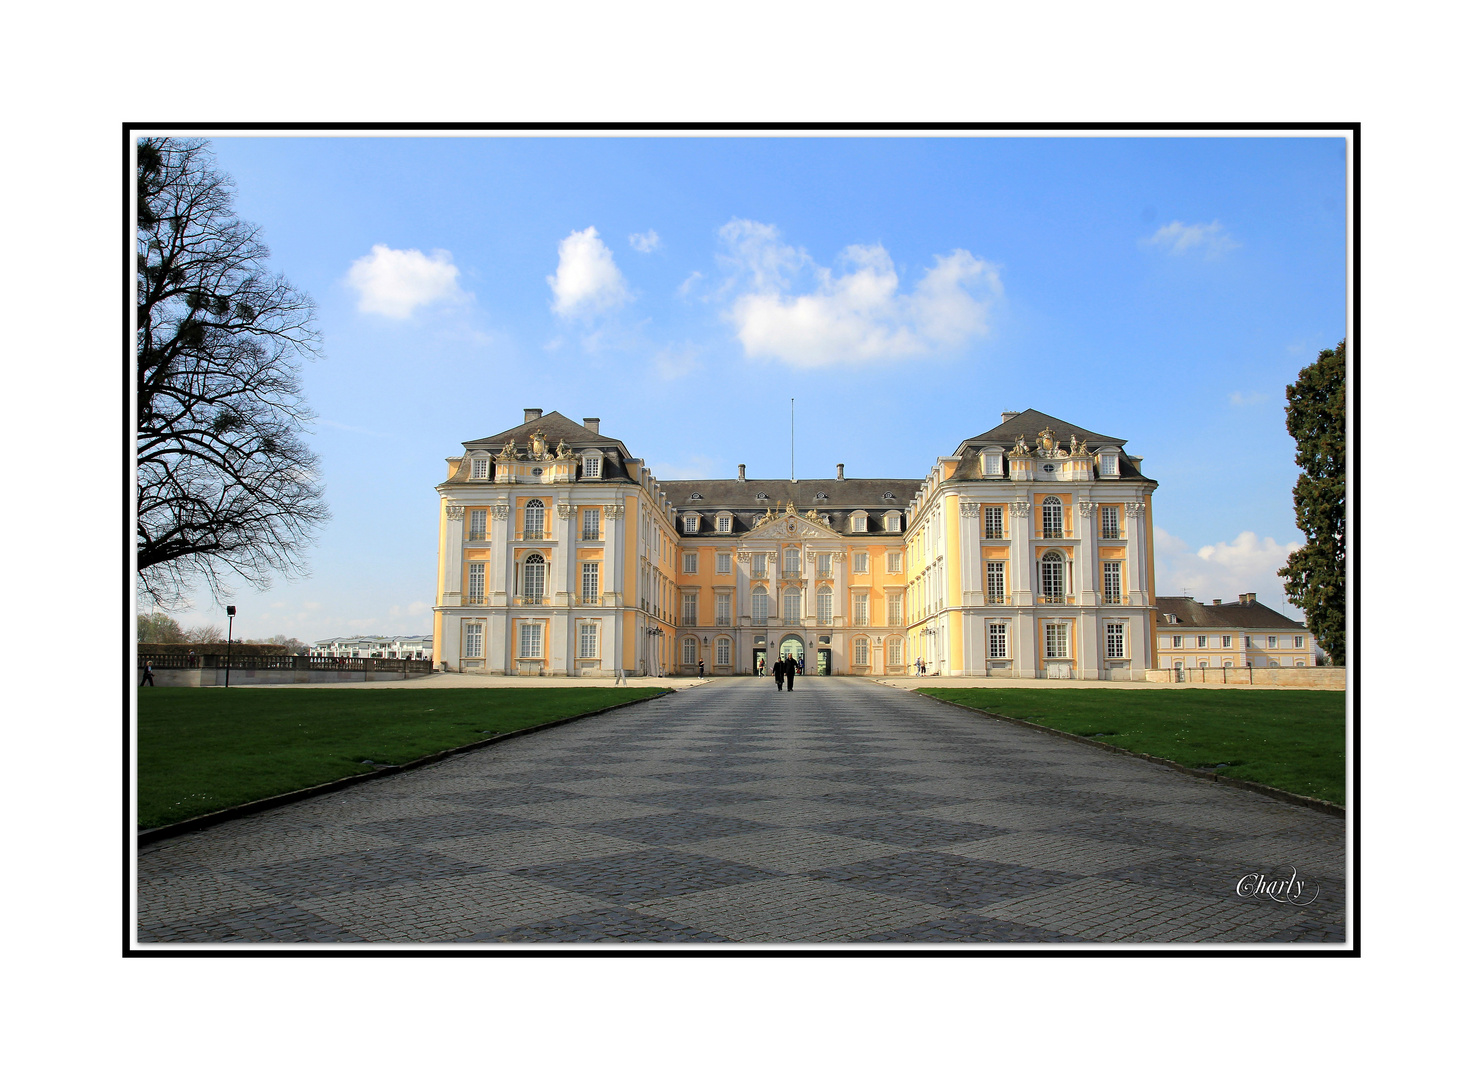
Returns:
(535, 520)
(759, 606)
(826, 606)
(792, 607)
(687, 651)
(534, 586)
(1053, 575)
(792, 559)
(723, 652)
(1050, 518)
(893, 652)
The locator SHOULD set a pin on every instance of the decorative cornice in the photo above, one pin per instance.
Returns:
(968, 509)
(1086, 508)
(455, 512)
(614, 510)
(1019, 509)
(566, 510)
(501, 511)
(1134, 509)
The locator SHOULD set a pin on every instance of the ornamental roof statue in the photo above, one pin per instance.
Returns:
(508, 452)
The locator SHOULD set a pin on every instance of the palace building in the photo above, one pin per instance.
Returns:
(1025, 553)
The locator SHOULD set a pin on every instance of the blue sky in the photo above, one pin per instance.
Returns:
(904, 290)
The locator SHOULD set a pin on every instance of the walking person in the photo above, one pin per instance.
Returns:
(702, 667)
(790, 668)
(190, 658)
(148, 675)
(780, 672)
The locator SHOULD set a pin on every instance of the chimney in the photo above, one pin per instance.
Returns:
(1216, 603)
(741, 472)
(1006, 417)
(532, 414)
(839, 471)
(1248, 598)
(591, 422)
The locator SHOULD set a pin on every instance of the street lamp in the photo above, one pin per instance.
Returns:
(231, 614)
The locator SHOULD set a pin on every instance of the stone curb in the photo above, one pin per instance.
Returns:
(1321, 805)
(216, 817)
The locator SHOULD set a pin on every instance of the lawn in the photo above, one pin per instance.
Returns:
(1288, 739)
(207, 749)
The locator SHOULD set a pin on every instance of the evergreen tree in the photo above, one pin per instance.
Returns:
(1314, 577)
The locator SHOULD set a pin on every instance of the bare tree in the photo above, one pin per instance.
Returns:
(226, 482)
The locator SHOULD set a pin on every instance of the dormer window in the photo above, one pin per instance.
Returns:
(479, 467)
(992, 462)
(692, 523)
(893, 522)
(857, 522)
(591, 467)
(723, 523)
(1107, 465)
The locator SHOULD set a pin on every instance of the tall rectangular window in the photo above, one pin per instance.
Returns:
(687, 651)
(893, 562)
(478, 524)
(893, 609)
(692, 523)
(825, 563)
(723, 609)
(587, 641)
(893, 652)
(723, 562)
(759, 607)
(1055, 641)
(687, 609)
(1115, 631)
(862, 609)
(1107, 465)
(1297, 641)
(1112, 583)
(993, 523)
(1051, 518)
(862, 652)
(759, 566)
(862, 562)
(723, 652)
(692, 562)
(1225, 641)
(1271, 641)
(723, 523)
(1179, 641)
(589, 582)
(591, 524)
(473, 639)
(530, 641)
(825, 602)
(792, 560)
(592, 467)
(998, 640)
(1199, 641)
(480, 470)
(476, 581)
(792, 607)
(1110, 529)
(994, 582)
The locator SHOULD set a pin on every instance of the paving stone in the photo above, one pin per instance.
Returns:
(942, 879)
(642, 875)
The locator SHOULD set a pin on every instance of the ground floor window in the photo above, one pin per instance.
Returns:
(1116, 643)
(998, 640)
(723, 651)
(893, 652)
(530, 641)
(687, 651)
(473, 639)
(1056, 647)
(587, 641)
(862, 652)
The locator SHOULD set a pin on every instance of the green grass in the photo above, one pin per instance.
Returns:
(207, 749)
(1288, 739)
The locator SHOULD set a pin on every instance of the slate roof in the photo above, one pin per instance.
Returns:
(1030, 423)
(1241, 614)
(556, 427)
(747, 498)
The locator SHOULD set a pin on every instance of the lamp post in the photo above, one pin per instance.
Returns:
(231, 614)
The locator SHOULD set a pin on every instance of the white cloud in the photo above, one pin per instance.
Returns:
(1222, 570)
(856, 314)
(587, 280)
(644, 242)
(396, 283)
(689, 283)
(1239, 399)
(1177, 238)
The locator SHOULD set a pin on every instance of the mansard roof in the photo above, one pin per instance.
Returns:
(556, 428)
(745, 499)
(1244, 613)
(1030, 423)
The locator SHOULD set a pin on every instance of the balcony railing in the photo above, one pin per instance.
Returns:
(478, 535)
(1107, 598)
(475, 600)
(533, 534)
(995, 598)
(532, 600)
(1113, 534)
(1050, 600)
(1053, 534)
(792, 575)
(591, 534)
(592, 599)
(993, 534)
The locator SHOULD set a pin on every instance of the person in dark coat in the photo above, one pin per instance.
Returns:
(149, 674)
(779, 672)
(790, 668)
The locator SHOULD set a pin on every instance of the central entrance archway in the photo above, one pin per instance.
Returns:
(792, 645)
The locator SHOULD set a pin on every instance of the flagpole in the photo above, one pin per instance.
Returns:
(792, 472)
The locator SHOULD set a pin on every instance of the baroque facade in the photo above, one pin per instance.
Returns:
(561, 554)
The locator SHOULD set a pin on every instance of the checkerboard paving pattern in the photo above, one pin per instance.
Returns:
(844, 812)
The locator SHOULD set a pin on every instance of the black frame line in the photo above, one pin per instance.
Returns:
(880, 950)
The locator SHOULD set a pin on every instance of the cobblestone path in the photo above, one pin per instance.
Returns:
(843, 812)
